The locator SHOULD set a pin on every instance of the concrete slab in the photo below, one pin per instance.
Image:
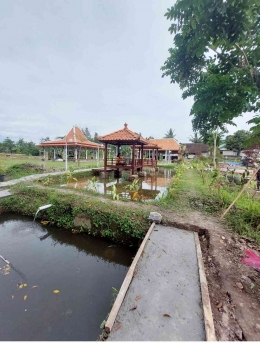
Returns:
(165, 291)
(4, 194)
(35, 177)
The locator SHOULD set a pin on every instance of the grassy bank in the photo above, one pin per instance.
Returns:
(212, 193)
(80, 213)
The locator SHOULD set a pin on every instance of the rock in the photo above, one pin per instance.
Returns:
(82, 221)
(239, 285)
(155, 217)
(257, 327)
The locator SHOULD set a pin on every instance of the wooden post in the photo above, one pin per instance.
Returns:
(105, 161)
(240, 193)
(142, 157)
(133, 160)
(157, 156)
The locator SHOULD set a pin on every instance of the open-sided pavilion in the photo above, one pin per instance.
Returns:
(75, 141)
(136, 142)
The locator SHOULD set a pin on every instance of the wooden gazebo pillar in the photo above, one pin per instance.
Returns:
(105, 159)
(142, 157)
(157, 156)
(133, 160)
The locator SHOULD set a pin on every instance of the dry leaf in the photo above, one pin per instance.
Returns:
(221, 241)
(35, 286)
(21, 286)
(143, 252)
(25, 297)
(118, 326)
(25, 284)
(138, 298)
(219, 305)
(135, 272)
(168, 272)
(56, 291)
(12, 297)
(204, 239)
(166, 315)
(165, 251)
(133, 308)
(159, 256)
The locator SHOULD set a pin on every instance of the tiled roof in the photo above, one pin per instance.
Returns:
(166, 144)
(124, 136)
(194, 148)
(74, 138)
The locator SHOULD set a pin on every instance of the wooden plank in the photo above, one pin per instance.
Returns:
(120, 297)
(208, 318)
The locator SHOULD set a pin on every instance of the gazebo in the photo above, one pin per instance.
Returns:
(74, 140)
(132, 139)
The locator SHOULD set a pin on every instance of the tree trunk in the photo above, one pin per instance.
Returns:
(215, 149)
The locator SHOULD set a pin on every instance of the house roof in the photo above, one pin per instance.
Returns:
(123, 137)
(194, 148)
(75, 138)
(149, 145)
(166, 144)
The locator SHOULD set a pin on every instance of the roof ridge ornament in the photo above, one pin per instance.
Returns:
(125, 126)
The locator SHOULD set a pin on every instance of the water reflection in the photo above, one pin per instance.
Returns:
(151, 187)
(84, 269)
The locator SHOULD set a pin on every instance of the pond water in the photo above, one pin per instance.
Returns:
(84, 269)
(148, 188)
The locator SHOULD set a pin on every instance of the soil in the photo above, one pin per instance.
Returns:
(234, 288)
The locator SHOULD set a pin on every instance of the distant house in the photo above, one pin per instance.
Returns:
(227, 153)
(196, 149)
(170, 148)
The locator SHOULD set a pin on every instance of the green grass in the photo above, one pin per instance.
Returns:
(33, 165)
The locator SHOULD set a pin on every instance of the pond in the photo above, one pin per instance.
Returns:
(43, 260)
(150, 187)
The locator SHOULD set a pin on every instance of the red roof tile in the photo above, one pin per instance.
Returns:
(166, 144)
(125, 136)
(74, 138)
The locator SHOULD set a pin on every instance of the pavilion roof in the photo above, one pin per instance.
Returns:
(166, 144)
(150, 145)
(123, 137)
(75, 138)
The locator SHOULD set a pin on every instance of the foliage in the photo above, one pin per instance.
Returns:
(114, 193)
(86, 133)
(19, 147)
(229, 80)
(45, 139)
(170, 134)
(237, 141)
(109, 219)
(196, 138)
(16, 171)
(134, 185)
(91, 185)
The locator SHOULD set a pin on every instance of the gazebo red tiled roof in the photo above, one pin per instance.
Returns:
(123, 137)
(75, 138)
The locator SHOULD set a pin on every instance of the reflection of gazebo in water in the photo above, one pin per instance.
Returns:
(74, 140)
(136, 142)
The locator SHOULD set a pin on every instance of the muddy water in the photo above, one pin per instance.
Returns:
(84, 270)
(151, 187)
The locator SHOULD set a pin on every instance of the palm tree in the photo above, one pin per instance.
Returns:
(196, 138)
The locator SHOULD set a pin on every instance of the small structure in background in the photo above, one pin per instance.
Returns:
(193, 150)
(136, 142)
(169, 151)
(74, 142)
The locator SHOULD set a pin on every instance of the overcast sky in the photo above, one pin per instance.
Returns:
(91, 63)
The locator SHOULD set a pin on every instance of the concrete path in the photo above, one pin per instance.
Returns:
(165, 291)
(4, 194)
(35, 177)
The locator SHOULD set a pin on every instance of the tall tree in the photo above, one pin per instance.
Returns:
(45, 139)
(238, 141)
(223, 36)
(96, 138)
(86, 133)
(196, 138)
(170, 134)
